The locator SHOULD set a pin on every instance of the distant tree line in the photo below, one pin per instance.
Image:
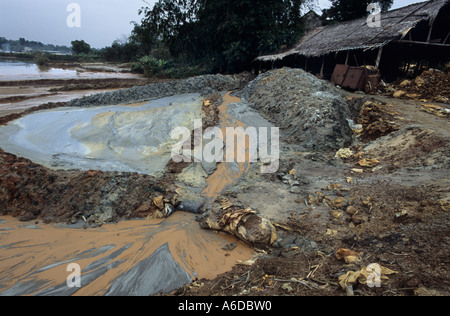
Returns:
(23, 45)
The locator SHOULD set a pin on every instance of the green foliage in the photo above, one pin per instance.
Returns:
(41, 59)
(80, 47)
(182, 71)
(151, 66)
(346, 10)
(22, 45)
(120, 52)
(159, 68)
(222, 35)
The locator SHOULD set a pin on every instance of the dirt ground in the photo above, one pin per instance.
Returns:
(394, 214)
(384, 201)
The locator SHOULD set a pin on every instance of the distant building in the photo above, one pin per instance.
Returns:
(311, 20)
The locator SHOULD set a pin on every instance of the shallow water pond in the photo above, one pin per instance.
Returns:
(127, 138)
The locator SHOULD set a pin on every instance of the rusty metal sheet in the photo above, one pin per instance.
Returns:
(372, 83)
(339, 74)
(355, 78)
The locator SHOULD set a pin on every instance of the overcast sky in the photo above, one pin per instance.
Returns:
(102, 21)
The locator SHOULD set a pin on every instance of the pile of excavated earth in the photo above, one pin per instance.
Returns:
(430, 86)
(309, 111)
(205, 85)
(362, 186)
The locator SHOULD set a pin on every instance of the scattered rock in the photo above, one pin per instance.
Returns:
(144, 208)
(399, 94)
(349, 256)
(413, 282)
(194, 176)
(351, 210)
(357, 220)
(189, 201)
(229, 247)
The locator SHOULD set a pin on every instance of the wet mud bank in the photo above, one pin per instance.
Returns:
(20, 95)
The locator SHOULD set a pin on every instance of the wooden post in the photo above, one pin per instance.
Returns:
(377, 63)
(321, 69)
(346, 58)
(446, 38)
(407, 68)
(429, 33)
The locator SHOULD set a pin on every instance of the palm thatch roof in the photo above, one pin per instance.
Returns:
(357, 34)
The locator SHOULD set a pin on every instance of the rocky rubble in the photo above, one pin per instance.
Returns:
(432, 85)
(309, 111)
(376, 118)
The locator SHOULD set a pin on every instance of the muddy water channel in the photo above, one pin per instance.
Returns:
(136, 257)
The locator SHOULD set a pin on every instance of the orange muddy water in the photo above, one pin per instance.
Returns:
(34, 257)
(226, 174)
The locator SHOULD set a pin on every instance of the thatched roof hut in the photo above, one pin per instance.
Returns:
(356, 34)
(409, 40)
